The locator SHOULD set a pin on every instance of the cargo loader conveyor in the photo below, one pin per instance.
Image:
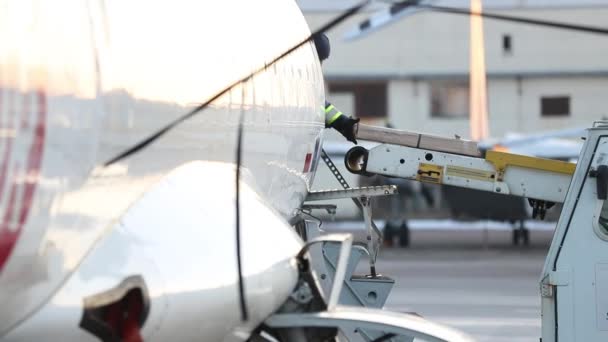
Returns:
(543, 181)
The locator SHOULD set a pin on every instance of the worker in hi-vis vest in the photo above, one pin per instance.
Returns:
(334, 118)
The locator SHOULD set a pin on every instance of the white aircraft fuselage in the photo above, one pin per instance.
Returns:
(82, 81)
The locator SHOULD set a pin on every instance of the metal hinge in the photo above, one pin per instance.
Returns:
(552, 279)
(558, 278)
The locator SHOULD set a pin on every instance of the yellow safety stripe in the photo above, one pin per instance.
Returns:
(501, 160)
(329, 108)
(334, 118)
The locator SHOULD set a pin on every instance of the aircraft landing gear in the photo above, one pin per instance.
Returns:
(521, 234)
(402, 232)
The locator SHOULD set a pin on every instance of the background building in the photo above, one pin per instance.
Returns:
(414, 73)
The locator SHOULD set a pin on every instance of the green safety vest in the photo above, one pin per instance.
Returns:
(331, 114)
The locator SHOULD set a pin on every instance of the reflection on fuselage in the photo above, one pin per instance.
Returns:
(110, 79)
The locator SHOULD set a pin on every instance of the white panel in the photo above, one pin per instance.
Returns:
(601, 288)
(579, 250)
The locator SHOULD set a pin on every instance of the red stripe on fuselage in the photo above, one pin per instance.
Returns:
(307, 162)
(27, 181)
(8, 236)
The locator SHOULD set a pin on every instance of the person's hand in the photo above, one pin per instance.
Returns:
(347, 127)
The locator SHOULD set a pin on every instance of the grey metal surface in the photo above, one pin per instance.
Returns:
(359, 290)
(374, 236)
(353, 318)
(370, 191)
(491, 294)
(334, 170)
(356, 290)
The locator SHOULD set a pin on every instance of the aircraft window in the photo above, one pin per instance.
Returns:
(555, 105)
(506, 44)
(449, 99)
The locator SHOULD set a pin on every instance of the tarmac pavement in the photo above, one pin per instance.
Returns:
(479, 284)
(491, 294)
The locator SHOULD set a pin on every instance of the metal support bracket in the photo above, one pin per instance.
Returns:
(345, 241)
(358, 290)
(330, 208)
(371, 191)
(374, 236)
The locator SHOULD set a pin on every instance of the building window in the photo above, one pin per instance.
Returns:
(449, 99)
(370, 97)
(507, 48)
(555, 105)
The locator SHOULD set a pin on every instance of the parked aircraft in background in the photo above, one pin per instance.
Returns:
(558, 144)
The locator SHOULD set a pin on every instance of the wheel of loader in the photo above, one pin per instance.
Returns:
(404, 235)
